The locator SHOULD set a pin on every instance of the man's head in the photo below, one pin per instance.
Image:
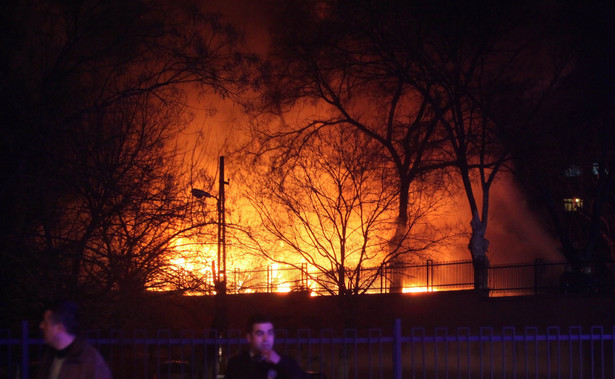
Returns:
(59, 324)
(260, 334)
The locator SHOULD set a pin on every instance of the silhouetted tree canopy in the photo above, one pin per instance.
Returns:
(92, 190)
(438, 85)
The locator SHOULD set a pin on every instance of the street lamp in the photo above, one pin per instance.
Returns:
(199, 193)
(202, 194)
(220, 276)
(219, 321)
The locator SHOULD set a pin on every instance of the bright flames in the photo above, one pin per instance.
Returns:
(417, 289)
(198, 262)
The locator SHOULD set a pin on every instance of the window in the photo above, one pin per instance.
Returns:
(573, 171)
(596, 168)
(573, 204)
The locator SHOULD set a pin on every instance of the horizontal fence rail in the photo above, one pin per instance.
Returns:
(502, 280)
(486, 352)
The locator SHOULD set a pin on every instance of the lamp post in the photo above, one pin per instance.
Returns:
(220, 274)
(221, 230)
(219, 321)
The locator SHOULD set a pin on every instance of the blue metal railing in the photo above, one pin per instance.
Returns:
(408, 352)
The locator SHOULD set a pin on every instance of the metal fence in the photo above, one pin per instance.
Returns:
(486, 352)
(503, 280)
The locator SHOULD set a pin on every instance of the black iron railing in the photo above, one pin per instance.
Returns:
(503, 279)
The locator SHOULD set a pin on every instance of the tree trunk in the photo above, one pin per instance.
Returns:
(478, 249)
(396, 265)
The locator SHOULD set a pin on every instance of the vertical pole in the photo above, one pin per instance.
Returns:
(24, 350)
(538, 267)
(221, 229)
(382, 273)
(304, 277)
(397, 349)
(220, 322)
(429, 284)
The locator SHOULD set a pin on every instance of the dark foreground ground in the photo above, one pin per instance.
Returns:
(444, 309)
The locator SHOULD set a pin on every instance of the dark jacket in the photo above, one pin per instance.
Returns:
(82, 362)
(242, 366)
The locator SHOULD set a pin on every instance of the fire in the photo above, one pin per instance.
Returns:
(277, 281)
(191, 259)
(417, 289)
(191, 262)
(195, 260)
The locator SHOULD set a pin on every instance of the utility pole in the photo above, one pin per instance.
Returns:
(221, 279)
(219, 270)
(219, 321)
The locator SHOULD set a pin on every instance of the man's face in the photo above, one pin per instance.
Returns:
(50, 329)
(261, 338)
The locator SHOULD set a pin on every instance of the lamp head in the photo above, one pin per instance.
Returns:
(199, 193)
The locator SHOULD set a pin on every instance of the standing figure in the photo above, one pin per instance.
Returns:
(261, 361)
(68, 356)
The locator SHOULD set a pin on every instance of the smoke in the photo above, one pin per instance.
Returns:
(515, 233)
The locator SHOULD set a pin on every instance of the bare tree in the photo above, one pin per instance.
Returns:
(493, 73)
(93, 100)
(434, 83)
(333, 215)
(341, 65)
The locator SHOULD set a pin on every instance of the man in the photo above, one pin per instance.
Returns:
(67, 355)
(261, 361)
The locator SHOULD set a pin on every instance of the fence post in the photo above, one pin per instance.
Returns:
(538, 268)
(397, 349)
(24, 350)
(429, 281)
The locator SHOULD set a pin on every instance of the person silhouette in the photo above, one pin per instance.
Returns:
(261, 361)
(68, 355)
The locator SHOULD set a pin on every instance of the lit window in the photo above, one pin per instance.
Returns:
(573, 170)
(573, 204)
(596, 168)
